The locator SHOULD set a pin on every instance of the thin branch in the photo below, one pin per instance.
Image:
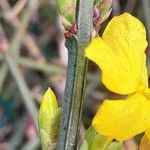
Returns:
(13, 12)
(116, 7)
(76, 77)
(22, 86)
(27, 39)
(3, 73)
(146, 11)
(33, 64)
(32, 145)
(16, 42)
(17, 137)
(130, 5)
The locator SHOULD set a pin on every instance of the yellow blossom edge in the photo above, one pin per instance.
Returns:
(123, 119)
(120, 54)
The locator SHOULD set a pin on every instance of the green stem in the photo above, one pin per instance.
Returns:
(15, 43)
(146, 12)
(3, 73)
(43, 67)
(33, 64)
(76, 77)
(23, 88)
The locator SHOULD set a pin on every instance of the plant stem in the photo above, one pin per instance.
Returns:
(15, 43)
(146, 12)
(3, 73)
(33, 64)
(76, 77)
(23, 88)
(116, 7)
(43, 67)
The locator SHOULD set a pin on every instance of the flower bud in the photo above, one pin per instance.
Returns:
(67, 10)
(105, 9)
(101, 12)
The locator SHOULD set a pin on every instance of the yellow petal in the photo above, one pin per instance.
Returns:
(145, 143)
(120, 54)
(144, 78)
(128, 39)
(147, 133)
(123, 119)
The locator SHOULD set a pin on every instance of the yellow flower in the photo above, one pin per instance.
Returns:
(120, 55)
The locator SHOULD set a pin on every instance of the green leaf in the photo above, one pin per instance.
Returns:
(45, 140)
(67, 10)
(115, 146)
(55, 125)
(84, 145)
(98, 2)
(90, 136)
(95, 140)
(64, 5)
(46, 116)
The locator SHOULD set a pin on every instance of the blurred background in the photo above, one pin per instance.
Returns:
(33, 57)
